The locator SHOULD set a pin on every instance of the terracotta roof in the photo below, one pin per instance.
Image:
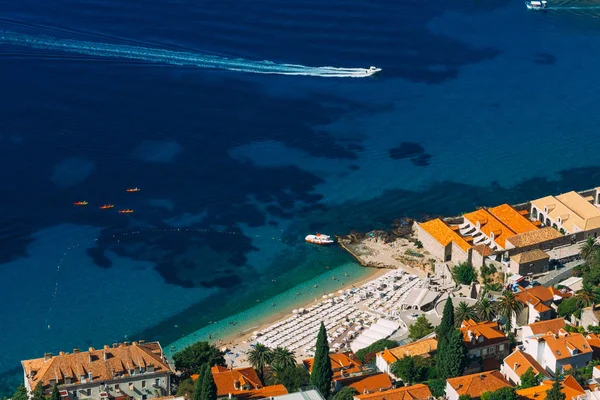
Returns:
(512, 218)
(265, 392)
(226, 380)
(488, 330)
(563, 345)
(476, 384)
(569, 387)
(414, 392)
(523, 362)
(373, 383)
(535, 296)
(441, 232)
(483, 250)
(346, 362)
(490, 225)
(557, 292)
(552, 325)
(104, 364)
(530, 256)
(534, 237)
(418, 348)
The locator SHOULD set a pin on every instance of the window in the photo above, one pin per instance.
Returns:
(492, 350)
(130, 385)
(117, 387)
(143, 384)
(74, 394)
(501, 347)
(483, 352)
(88, 392)
(144, 397)
(157, 382)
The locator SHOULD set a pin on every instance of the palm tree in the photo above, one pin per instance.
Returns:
(282, 358)
(464, 312)
(485, 309)
(588, 249)
(507, 306)
(259, 357)
(586, 296)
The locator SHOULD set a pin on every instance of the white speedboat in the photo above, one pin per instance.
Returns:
(372, 70)
(536, 4)
(319, 239)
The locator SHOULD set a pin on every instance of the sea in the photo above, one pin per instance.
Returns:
(247, 125)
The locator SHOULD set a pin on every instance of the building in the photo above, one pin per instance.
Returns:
(531, 262)
(424, 348)
(302, 394)
(558, 352)
(414, 392)
(590, 316)
(372, 384)
(484, 339)
(569, 212)
(475, 385)
(443, 241)
(346, 369)
(543, 238)
(517, 363)
(242, 383)
(537, 305)
(540, 328)
(138, 371)
(569, 386)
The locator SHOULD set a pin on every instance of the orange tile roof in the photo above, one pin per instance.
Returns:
(488, 330)
(346, 362)
(530, 256)
(483, 249)
(534, 237)
(569, 387)
(266, 392)
(104, 364)
(512, 218)
(523, 362)
(489, 224)
(559, 292)
(373, 383)
(551, 325)
(226, 380)
(476, 384)
(418, 348)
(563, 345)
(535, 295)
(441, 232)
(414, 392)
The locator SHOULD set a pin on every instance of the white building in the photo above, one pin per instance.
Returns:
(137, 371)
(559, 352)
(517, 363)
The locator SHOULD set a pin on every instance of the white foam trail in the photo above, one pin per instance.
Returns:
(572, 8)
(177, 57)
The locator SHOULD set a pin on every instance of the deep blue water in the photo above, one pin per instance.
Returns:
(478, 103)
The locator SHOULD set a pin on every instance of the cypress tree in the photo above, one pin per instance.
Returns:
(321, 373)
(447, 323)
(20, 393)
(55, 393)
(554, 393)
(38, 393)
(198, 384)
(209, 389)
(451, 355)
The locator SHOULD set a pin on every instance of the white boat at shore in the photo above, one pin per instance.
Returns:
(319, 239)
(536, 4)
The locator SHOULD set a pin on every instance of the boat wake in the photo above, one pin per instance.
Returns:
(182, 58)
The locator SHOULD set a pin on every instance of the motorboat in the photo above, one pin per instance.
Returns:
(80, 203)
(319, 239)
(126, 211)
(135, 189)
(536, 4)
(106, 206)
(372, 70)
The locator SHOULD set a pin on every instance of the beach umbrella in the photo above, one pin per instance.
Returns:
(330, 295)
(324, 296)
(340, 291)
(301, 310)
(294, 311)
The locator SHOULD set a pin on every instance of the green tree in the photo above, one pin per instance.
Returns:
(421, 327)
(485, 309)
(451, 355)
(259, 357)
(587, 296)
(38, 393)
(554, 393)
(293, 378)
(347, 393)
(464, 397)
(505, 393)
(530, 379)
(190, 359)
(55, 393)
(588, 249)
(209, 388)
(410, 369)
(20, 393)
(507, 306)
(321, 373)
(197, 394)
(464, 273)
(464, 312)
(447, 323)
(364, 355)
(437, 387)
(568, 307)
(282, 358)
(186, 389)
